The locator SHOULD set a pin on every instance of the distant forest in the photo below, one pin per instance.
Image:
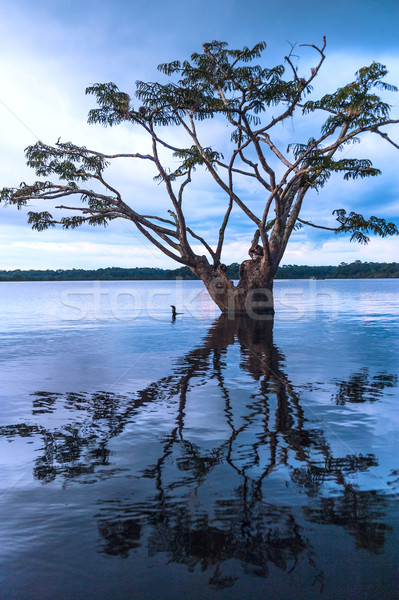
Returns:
(355, 270)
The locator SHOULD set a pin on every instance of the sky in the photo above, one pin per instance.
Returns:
(52, 50)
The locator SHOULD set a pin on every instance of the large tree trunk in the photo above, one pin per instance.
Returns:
(252, 296)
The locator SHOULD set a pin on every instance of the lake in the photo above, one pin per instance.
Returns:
(200, 458)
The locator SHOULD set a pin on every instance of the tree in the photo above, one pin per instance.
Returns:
(254, 101)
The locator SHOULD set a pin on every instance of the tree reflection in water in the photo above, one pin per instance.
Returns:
(362, 387)
(213, 503)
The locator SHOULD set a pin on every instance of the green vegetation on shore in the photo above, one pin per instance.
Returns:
(355, 270)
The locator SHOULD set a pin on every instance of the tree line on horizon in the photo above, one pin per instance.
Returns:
(354, 270)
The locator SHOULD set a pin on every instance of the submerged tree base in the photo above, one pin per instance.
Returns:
(254, 314)
(252, 296)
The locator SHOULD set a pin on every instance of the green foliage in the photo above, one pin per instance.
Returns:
(355, 105)
(107, 274)
(20, 196)
(355, 270)
(67, 161)
(320, 169)
(192, 157)
(114, 105)
(40, 220)
(207, 85)
(76, 221)
(359, 226)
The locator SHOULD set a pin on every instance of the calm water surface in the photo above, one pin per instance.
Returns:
(155, 460)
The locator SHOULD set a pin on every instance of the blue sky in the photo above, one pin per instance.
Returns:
(50, 51)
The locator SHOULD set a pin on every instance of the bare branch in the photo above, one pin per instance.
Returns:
(238, 171)
(109, 187)
(292, 104)
(158, 219)
(320, 50)
(154, 241)
(203, 242)
(183, 185)
(182, 225)
(387, 138)
(84, 150)
(216, 177)
(222, 229)
(276, 151)
(316, 226)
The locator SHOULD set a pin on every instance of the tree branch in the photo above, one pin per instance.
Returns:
(387, 138)
(216, 177)
(182, 225)
(203, 242)
(316, 226)
(154, 241)
(83, 150)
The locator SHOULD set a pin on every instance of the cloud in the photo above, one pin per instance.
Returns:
(77, 249)
(333, 251)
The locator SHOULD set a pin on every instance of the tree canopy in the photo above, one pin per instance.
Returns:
(253, 100)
